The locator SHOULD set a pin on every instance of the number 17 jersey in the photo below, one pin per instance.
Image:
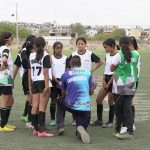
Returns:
(38, 66)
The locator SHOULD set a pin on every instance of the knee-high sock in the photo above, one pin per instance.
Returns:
(29, 112)
(3, 117)
(41, 117)
(52, 111)
(26, 108)
(8, 113)
(100, 112)
(34, 118)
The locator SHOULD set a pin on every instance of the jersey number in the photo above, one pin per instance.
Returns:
(37, 68)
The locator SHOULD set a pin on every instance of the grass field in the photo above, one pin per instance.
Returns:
(101, 139)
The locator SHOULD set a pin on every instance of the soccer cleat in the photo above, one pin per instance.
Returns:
(6, 129)
(97, 123)
(61, 131)
(10, 126)
(52, 123)
(116, 134)
(107, 125)
(84, 135)
(24, 118)
(29, 125)
(125, 136)
(34, 132)
(45, 134)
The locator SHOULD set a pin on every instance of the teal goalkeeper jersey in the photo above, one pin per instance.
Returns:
(126, 74)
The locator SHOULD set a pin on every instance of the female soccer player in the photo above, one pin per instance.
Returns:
(124, 86)
(59, 62)
(39, 85)
(22, 62)
(110, 48)
(87, 57)
(6, 81)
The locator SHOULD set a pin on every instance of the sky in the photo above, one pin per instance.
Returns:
(87, 12)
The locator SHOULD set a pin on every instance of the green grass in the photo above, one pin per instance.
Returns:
(101, 139)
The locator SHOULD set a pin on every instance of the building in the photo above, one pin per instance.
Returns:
(136, 32)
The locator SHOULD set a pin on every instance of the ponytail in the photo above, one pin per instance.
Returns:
(39, 44)
(126, 52)
(134, 42)
(40, 53)
(124, 44)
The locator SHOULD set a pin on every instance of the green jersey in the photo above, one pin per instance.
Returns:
(126, 73)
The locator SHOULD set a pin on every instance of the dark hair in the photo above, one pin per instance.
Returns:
(82, 39)
(55, 44)
(75, 61)
(4, 36)
(28, 44)
(27, 41)
(111, 42)
(39, 44)
(124, 44)
(134, 42)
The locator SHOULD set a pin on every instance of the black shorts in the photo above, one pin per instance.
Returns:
(5, 90)
(38, 87)
(107, 78)
(25, 83)
(55, 91)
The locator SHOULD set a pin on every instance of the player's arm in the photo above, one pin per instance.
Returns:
(97, 60)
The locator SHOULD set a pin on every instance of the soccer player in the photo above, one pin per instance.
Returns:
(59, 62)
(6, 81)
(22, 61)
(124, 86)
(87, 57)
(39, 86)
(133, 47)
(110, 48)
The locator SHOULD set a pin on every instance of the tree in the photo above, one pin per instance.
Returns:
(24, 32)
(77, 28)
(118, 33)
(9, 27)
(4, 27)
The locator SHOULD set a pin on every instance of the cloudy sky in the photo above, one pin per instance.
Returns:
(93, 12)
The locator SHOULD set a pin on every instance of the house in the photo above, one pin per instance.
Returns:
(136, 32)
(91, 32)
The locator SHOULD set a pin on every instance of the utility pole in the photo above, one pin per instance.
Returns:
(17, 23)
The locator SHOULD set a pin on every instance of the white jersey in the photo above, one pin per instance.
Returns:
(21, 70)
(108, 62)
(58, 66)
(37, 68)
(6, 75)
(86, 61)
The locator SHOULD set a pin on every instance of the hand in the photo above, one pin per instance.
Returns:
(106, 86)
(3, 68)
(95, 85)
(46, 90)
(30, 90)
